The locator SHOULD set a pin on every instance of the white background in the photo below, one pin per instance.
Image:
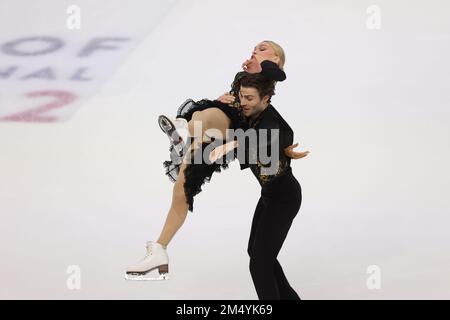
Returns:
(372, 106)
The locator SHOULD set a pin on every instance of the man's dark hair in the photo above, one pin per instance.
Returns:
(264, 85)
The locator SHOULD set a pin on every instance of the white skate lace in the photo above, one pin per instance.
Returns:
(149, 250)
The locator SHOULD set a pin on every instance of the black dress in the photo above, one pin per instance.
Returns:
(197, 174)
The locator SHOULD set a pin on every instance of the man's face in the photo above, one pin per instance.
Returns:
(251, 103)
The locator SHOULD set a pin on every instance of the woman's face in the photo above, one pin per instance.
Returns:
(263, 51)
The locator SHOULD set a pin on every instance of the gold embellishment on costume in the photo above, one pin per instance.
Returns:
(263, 178)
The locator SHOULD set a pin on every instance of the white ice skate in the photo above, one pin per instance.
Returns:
(177, 131)
(155, 259)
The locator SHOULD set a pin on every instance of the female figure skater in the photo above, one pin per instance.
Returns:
(281, 193)
(224, 113)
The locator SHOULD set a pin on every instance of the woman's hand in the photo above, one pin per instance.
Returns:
(289, 151)
(226, 98)
(252, 65)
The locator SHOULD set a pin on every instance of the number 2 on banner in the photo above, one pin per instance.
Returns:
(34, 115)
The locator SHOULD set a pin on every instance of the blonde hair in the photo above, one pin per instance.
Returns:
(279, 52)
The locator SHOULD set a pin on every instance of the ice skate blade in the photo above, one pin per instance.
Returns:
(165, 124)
(169, 129)
(144, 277)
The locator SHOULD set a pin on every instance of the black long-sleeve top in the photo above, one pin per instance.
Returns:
(268, 119)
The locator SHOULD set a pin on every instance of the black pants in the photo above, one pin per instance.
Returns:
(272, 220)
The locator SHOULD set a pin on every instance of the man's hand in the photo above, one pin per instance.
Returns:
(226, 98)
(289, 151)
(219, 151)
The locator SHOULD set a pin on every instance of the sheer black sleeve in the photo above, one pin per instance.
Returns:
(272, 71)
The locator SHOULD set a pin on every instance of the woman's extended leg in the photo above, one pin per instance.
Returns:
(210, 118)
(177, 212)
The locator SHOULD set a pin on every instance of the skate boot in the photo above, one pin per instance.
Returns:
(177, 131)
(155, 259)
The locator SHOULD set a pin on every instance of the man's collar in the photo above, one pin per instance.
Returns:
(258, 117)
